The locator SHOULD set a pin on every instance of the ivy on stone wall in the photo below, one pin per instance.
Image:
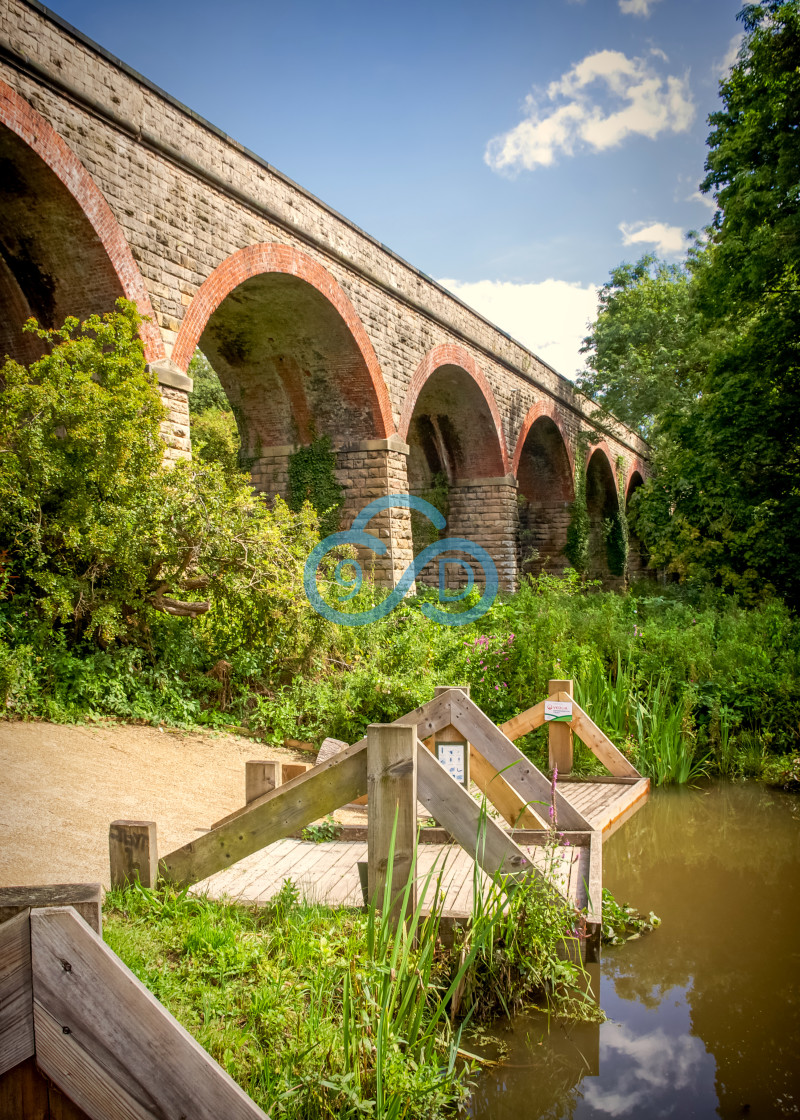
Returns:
(576, 549)
(527, 552)
(423, 531)
(616, 529)
(312, 478)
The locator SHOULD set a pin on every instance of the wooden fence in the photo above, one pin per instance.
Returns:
(80, 1036)
(394, 766)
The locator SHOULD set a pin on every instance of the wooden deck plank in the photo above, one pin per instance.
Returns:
(346, 890)
(265, 867)
(236, 881)
(328, 873)
(578, 795)
(341, 864)
(312, 862)
(318, 882)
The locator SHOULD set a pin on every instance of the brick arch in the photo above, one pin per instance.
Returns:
(635, 466)
(34, 131)
(256, 260)
(602, 502)
(449, 354)
(542, 408)
(545, 473)
(605, 450)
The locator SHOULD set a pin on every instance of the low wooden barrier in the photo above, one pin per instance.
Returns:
(80, 1036)
(394, 767)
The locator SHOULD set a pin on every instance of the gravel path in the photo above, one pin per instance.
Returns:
(61, 786)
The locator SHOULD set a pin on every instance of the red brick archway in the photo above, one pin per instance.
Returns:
(256, 260)
(23, 120)
(605, 450)
(635, 467)
(449, 354)
(542, 408)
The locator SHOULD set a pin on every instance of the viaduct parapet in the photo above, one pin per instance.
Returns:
(110, 187)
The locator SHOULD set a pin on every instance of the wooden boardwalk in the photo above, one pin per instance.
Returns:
(606, 803)
(327, 873)
(250, 854)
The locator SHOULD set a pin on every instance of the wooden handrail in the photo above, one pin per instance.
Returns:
(530, 783)
(276, 814)
(598, 742)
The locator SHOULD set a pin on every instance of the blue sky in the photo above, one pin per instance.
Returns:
(516, 151)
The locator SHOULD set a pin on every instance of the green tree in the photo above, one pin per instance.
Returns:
(643, 349)
(724, 504)
(208, 392)
(97, 530)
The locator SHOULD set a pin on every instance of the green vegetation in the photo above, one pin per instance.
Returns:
(623, 923)
(702, 356)
(312, 478)
(578, 532)
(683, 684)
(98, 539)
(323, 1013)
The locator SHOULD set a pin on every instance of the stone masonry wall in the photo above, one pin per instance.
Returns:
(186, 197)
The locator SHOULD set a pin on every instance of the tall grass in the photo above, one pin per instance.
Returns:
(322, 1013)
(644, 715)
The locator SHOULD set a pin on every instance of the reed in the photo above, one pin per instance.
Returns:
(322, 1013)
(645, 714)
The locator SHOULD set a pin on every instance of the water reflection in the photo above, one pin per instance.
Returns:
(704, 1014)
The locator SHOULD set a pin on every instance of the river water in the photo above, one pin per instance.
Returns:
(704, 1012)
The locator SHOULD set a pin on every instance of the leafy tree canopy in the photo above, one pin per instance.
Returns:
(703, 358)
(97, 531)
(642, 351)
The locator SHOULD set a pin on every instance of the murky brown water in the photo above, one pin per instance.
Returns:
(703, 1013)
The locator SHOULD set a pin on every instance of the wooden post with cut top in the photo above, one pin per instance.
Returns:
(260, 777)
(133, 853)
(392, 792)
(559, 735)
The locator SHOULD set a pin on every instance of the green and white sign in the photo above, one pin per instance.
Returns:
(558, 711)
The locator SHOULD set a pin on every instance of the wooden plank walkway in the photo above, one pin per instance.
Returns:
(327, 873)
(606, 804)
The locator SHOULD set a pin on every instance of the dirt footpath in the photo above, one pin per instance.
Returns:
(60, 788)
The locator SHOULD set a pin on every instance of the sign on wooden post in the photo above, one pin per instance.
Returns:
(133, 852)
(558, 717)
(392, 792)
(450, 747)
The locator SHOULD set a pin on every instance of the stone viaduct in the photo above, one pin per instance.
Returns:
(110, 187)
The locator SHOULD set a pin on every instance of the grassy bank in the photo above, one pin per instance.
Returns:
(685, 684)
(322, 1013)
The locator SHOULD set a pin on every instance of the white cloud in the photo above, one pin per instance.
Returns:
(707, 200)
(654, 1063)
(550, 318)
(637, 7)
(722, 69)
(602, 100)
(664, 238)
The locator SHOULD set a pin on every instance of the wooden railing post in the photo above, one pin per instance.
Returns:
(559, 735)
(134, 853)
(260, 777)
(392, 792)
